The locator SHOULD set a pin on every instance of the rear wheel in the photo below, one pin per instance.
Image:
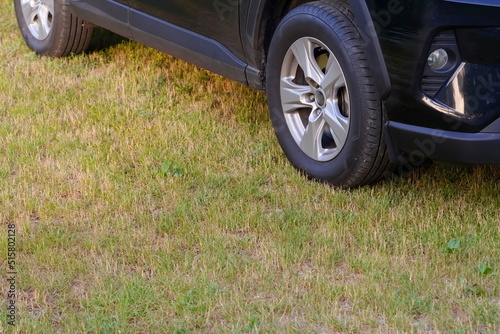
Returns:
(325, 110)
(50, 28)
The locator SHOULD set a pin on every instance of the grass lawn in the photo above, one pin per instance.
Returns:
(151, 196)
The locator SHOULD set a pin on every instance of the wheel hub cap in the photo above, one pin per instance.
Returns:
(320, 98)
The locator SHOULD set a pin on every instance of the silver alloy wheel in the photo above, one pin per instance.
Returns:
(38, 15)
(315, 99)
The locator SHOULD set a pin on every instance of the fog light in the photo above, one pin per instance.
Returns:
(438, 59)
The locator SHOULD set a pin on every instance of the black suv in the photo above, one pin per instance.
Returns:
(355, 87)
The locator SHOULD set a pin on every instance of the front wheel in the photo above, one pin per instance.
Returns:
(325, 110)
(50, 28)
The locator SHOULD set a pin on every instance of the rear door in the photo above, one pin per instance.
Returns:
(215, 19)
(203, 32)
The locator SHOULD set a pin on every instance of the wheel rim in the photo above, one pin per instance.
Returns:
(315, 99)
(38, 15)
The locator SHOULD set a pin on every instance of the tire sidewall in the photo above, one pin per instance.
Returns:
(300, 24)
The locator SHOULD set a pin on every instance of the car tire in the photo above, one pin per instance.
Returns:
(50, 28)
(325, 110)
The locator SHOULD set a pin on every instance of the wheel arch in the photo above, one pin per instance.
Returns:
(260, 18)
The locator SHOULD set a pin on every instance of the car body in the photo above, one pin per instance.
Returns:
(434, 66)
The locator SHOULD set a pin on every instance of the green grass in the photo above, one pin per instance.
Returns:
(151, 196)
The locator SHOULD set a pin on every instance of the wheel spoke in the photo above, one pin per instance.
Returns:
(333, 78)
(311, 140)
(43, 16)
(294, 96)
(28, 11)
(339, 124)
(303, 50)
(36, 25)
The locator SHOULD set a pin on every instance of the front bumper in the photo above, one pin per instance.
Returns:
(445, 146)
(463, 96)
